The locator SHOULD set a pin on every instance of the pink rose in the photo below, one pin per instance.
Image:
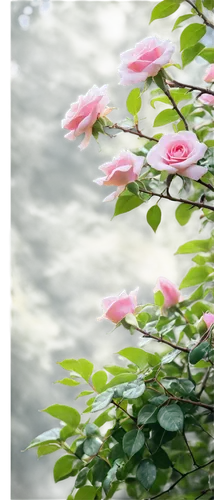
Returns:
(208, 319)
(209, 74)
(120, 171)
(207, 99)
(82, 114)
(178, 154)
(145, 59)
(116, 308)
(170, 292)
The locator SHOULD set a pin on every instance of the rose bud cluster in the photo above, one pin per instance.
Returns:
(207, 99)
(170, 292)
(117, 307)
(209, 74)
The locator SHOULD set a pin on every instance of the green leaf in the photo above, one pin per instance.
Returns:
(133, 441)
(147, 415)
(191, 35)
(164, 9)
(182, 387)
(84, 393)
(67, 381)
(133, 102)
(171, 418)
(81, 366)
(130, 319)
(183, 213)
(195, 246)
(160, 82)
(116, 453)
(65, 413)
(134, 389)
(209, 4)
(188, 55)
(67, 432)
(51, 436)
(208, 54)
(146, 473)
(158, 298)
(46, 449)
(209, 143)
(161, 459)
(85, 493)
(102, 400)
(91, 430)
(99, 380)
(133, 188)
(154, 217)
(199, 352)
(180, 20)
(100, 470)
(165, 116)
(121, 379)
(92, 445)
(127, 201)
(168, 358)
(103, 418)
(158, 400)
(135, 355)
(81, 478)
(63, 468)
(196, 275)
(116, 370)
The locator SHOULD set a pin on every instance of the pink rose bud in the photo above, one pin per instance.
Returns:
(116, 308)
(208, 319)
(207, 99)
(122, 170)
(170, 292)
(178, 154)
(209, 74)
(82, 114)
(144, 60)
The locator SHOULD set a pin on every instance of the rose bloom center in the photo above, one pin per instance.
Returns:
(178, 152)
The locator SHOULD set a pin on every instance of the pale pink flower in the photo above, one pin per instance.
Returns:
(82, 114)
(116, 308)
(144, 60)
(207, 99)
(122, 170)
(170, 292)
(209, 74)
(208, 319)
(178, 154)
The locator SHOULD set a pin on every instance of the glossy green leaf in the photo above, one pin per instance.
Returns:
(134, 389)
(169, 357)
(84, 393)
(102, 400)
(161, 459)
(116, 370)
(92, 445)
(121, 379)
(183, 213)
(135, 355)
(164, 9)
(133, 187)
(181, 387)
(86, 493)
(189, 54)
(158, 400)
(81, 366)
(171, 418)
(103, 418)
(159, 298)
(66, 432)
(99, 380)
(50, 436)
(81, 478)
(154, 217)
(146, 473)
(127, 201)
(46, 449)
(147, 415)
(209, 4)
(165, 116)
(191, 35)
(63, 468)
(91, 430)
(133, 102)
(100, 470)
(196, 275)
(195, 246)
(67, 381)
(65, 413)
(133, 441)
(208, 54)
(199, 352)
(180, 20)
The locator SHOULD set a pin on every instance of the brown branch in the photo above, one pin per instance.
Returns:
(183, 400)
(166, 91)
(179, 200)
(200, 14)
(175, 83)
(132, 131)
(180, 479)
(189, 449)
(209, 186)
(160, 339)
(122, 409)
(204, 381)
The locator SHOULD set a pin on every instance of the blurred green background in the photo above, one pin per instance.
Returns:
(66, 253)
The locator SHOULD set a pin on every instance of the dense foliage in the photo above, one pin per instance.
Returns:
(148, 421)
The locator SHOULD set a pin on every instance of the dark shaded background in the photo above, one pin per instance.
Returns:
(66, 254)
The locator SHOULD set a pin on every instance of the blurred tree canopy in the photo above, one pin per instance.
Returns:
(65, 252)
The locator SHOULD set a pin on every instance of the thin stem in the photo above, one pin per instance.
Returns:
(123, 409)
(179, 200)
(202, 494)
(190, 451)
(135, 131)
(209, 186)
(166, 91)
(204, 381)
(160, 339)
(175, 83)
(200, 14)
(180, 479)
